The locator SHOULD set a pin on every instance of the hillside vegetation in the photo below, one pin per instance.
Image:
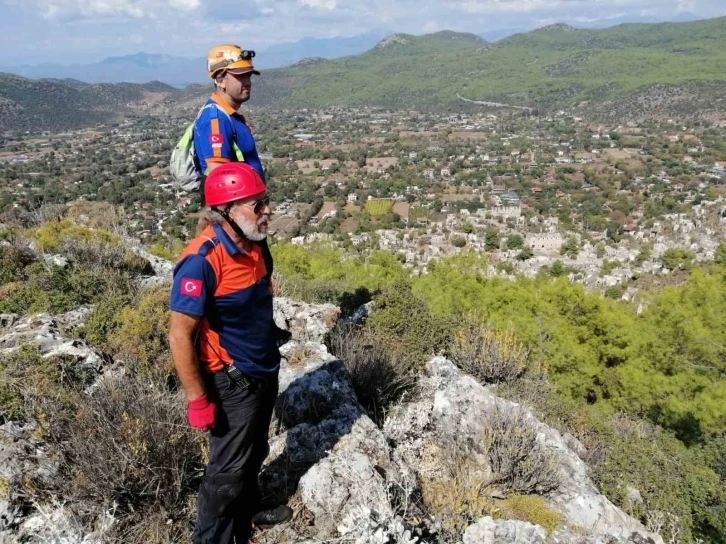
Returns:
(630, 69)
(52, 104)
(642, 391)
(554, 66)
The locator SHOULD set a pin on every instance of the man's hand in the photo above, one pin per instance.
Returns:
(201, 413)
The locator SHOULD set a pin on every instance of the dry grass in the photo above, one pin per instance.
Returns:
(378, 378)
(519, 462)
(460, 497)
(299, 354)
(122, 445)
(532, 509)
(488, 354)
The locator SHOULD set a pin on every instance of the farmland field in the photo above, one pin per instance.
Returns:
(417, 213)
(376, 208)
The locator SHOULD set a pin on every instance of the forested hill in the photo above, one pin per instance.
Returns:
(557, 66)
(643, 69)
(53, 104)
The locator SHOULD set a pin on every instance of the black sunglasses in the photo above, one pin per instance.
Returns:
(258, 205)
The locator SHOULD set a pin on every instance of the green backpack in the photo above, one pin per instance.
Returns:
(184, 164)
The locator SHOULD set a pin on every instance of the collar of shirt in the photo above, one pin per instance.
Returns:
(227, 243)
(222, 103)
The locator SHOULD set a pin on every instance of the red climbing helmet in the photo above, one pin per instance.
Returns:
(230, 182)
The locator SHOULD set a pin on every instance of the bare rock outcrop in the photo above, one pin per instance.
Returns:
(490, 531)
(452, 410)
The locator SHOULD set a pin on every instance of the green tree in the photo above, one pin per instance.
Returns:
(515, 241)
(645, 253)
(676, 258)
(557, 269)
(570, 247)
(458, 241)
(491, 239)
(525, 254)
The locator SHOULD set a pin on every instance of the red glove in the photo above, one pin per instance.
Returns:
(201, 413)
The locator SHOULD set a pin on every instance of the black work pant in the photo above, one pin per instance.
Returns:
(229, 495)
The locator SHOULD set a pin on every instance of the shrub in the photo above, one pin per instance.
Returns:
(95, 215)
(379, 379)
(49, 236)
(614, 292)
(105, 319)
(127, 443)
(57, 289)
(100, 255)
(460, 497)
(13, 261)
(518, 460)
(458, 241)
(26, 377)
(142, 338)
(47, 213)
(488, 354)
(681, 487)
(403, 322)
(532, 509)
(92, 249)
(169, 251)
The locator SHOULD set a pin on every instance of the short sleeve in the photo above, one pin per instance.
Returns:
(214, 136)
(194, 285)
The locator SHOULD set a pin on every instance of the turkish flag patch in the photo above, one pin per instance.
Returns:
(216, 139)
(191, 287)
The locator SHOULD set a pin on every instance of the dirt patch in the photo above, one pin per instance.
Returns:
(350, 225)
(326, 209)
(283, 224)
(467, 135)
(402, 209)
(618, 154)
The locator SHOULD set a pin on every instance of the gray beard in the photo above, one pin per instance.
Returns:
(250, 230)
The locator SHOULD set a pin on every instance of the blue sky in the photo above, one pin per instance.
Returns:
(68, 31)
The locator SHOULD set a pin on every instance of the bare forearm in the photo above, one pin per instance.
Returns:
(187, 365)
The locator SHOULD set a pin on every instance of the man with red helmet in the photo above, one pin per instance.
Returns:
(223, 341)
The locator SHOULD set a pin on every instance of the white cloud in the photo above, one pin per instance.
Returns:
(326, 5)
(58, 9)
(113, 9)
(184, 5)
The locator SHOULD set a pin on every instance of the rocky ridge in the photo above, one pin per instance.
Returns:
(352, 481)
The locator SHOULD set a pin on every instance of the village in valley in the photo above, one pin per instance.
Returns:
(539, 193)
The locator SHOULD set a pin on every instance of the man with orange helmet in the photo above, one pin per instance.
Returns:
(222, 134)
(223, 340)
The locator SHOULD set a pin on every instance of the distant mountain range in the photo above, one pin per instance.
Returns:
(183, 71)
(648, 67)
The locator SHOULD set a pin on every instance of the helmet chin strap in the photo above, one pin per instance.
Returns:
(235, 227)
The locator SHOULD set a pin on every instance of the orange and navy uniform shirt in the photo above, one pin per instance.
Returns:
(214, 134)
(227, 287)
